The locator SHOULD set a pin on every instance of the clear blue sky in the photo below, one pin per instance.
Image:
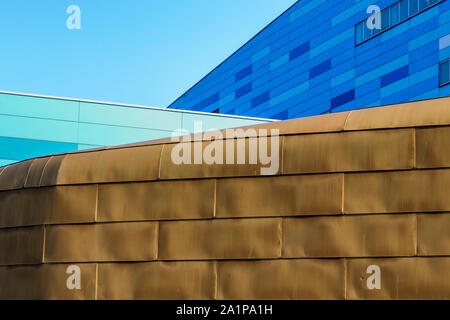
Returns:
(145, 52)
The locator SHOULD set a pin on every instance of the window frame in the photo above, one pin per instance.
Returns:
(393, 25)
(440, 64)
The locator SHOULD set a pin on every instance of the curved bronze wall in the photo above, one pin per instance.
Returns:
(355, 189)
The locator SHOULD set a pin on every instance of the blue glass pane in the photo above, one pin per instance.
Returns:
(385, 19)
(376, 30)
(395, 11)
(360, 33)
(20, 149)
(403, 9)
(413, 7)
(38, 107)
(444, 72)
(367, 32)
(423, 4)
(131, 117)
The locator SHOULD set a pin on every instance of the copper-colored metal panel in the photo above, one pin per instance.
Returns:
(51, 171)
(89, 150)
(46, 282)
(198, 167)
(400, 278)
(157, 280)
(220, 239)
(132, 241)
(349, 236)
(160, 200)
(280, 196)
(50, 205)
(21, 245)
(402, 191)
(412, 114)
(433, 234)
(281, 279)
(115, 165)
(433, 147)
(349, 151)
(14, 175)
(35, 172)
(237, 226)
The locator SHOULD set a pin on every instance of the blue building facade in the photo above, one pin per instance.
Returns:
(320, 56)
(32, 126)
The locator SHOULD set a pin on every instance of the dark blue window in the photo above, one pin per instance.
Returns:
(395, 14)
(206, 102)
(343, 98)
(444, 72)
(423, 4)
(385, 19)
(261, 99)
(281, 116)
(392, 16)
(394, 76)
(300, 50)
(244, 72)
(243, 90)
(368, 33)
(359, 33)
(413, 7)
(403, 9)
(320, 68)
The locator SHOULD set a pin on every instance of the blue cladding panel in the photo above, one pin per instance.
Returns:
(308, 57)
(300, 50)
(244, 72)
(261, 99)
(243, 90)
(320, 68)
(279, 62)
(343, 98)
(208, 101)
(261, 54)
(282, 115)
(394, 76)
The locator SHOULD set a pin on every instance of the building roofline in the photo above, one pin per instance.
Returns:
(134, 106)
(262, 30)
